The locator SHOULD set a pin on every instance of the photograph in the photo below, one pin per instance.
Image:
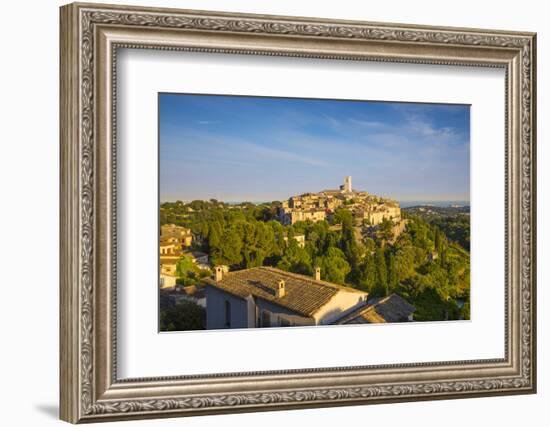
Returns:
(278, 212)
(271, 209)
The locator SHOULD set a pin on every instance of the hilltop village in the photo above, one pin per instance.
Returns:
(337, 256)
(369, 211)
(366, 208)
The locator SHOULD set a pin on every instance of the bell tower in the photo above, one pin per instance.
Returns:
(347, 184)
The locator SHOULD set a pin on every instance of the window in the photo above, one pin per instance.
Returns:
(284, 322)
(227, 314)
(266, 319)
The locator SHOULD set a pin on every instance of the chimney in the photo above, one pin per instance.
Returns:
(317, 273)
(280, 289)
(218, 273)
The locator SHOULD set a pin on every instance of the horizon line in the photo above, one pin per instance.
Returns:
(261, 201)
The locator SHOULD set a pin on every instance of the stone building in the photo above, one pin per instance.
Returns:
(167, 280)
(294, 216)
(182, 234)
(318, 206)
(375, 214)
(167, 270)
(168, 265)
(299, 238)
(347, 185)
(168, 247)
(200, 259)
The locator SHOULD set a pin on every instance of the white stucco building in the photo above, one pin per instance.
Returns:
(167, 280)
(269, 297)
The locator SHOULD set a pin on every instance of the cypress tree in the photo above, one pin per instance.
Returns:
(381, 272)
(392, 273)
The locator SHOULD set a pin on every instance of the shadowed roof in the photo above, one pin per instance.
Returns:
(390, 309)
(303, 294)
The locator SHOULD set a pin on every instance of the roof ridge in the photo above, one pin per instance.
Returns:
(384, 299)
(240, 284)
(310, 279)
(295, 275)
(244, 269)
(359, 311)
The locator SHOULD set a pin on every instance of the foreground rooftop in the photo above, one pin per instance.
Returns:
(303, 294)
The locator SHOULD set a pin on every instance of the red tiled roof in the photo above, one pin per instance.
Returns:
(390, 309)
(303, 294)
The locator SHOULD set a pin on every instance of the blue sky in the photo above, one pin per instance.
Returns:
(234, 148)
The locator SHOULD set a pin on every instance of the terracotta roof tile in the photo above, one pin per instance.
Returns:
(303, 294)
(390, 309)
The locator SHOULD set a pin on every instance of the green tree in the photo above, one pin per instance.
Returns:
(392, 272)
(334, 266)
(386, 229)
(381, 288)
(369, 245)
(342, 215)
(229, 250)
(430, 306)
(418, 231)
(295, 259)
(184, 266)
(437, 240)
(279, 245)
(367, 276)
(348, 243)
(405, 262)
(246, 235)
(214, 234)
(465, 311)
(185, 316)
(443, 257)
(257, 239)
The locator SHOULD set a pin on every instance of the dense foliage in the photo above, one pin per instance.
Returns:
(454, 222)
(184, 316)
(428, 263)
(188, 273)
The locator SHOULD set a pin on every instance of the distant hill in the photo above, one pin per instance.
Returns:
(429, 211)
(454, 221)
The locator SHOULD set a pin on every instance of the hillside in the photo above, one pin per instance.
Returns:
(428, 263)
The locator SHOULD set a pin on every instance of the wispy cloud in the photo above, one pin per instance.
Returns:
(418, 124)
(217, 146)
(208, 122)
(271, 148)
(276, 154)
(369, 124)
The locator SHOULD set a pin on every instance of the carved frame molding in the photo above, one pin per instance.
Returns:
(90, 37)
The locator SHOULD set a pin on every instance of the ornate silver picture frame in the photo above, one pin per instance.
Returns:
(91, 35)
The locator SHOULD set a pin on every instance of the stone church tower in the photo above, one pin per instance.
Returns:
(347, 184)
